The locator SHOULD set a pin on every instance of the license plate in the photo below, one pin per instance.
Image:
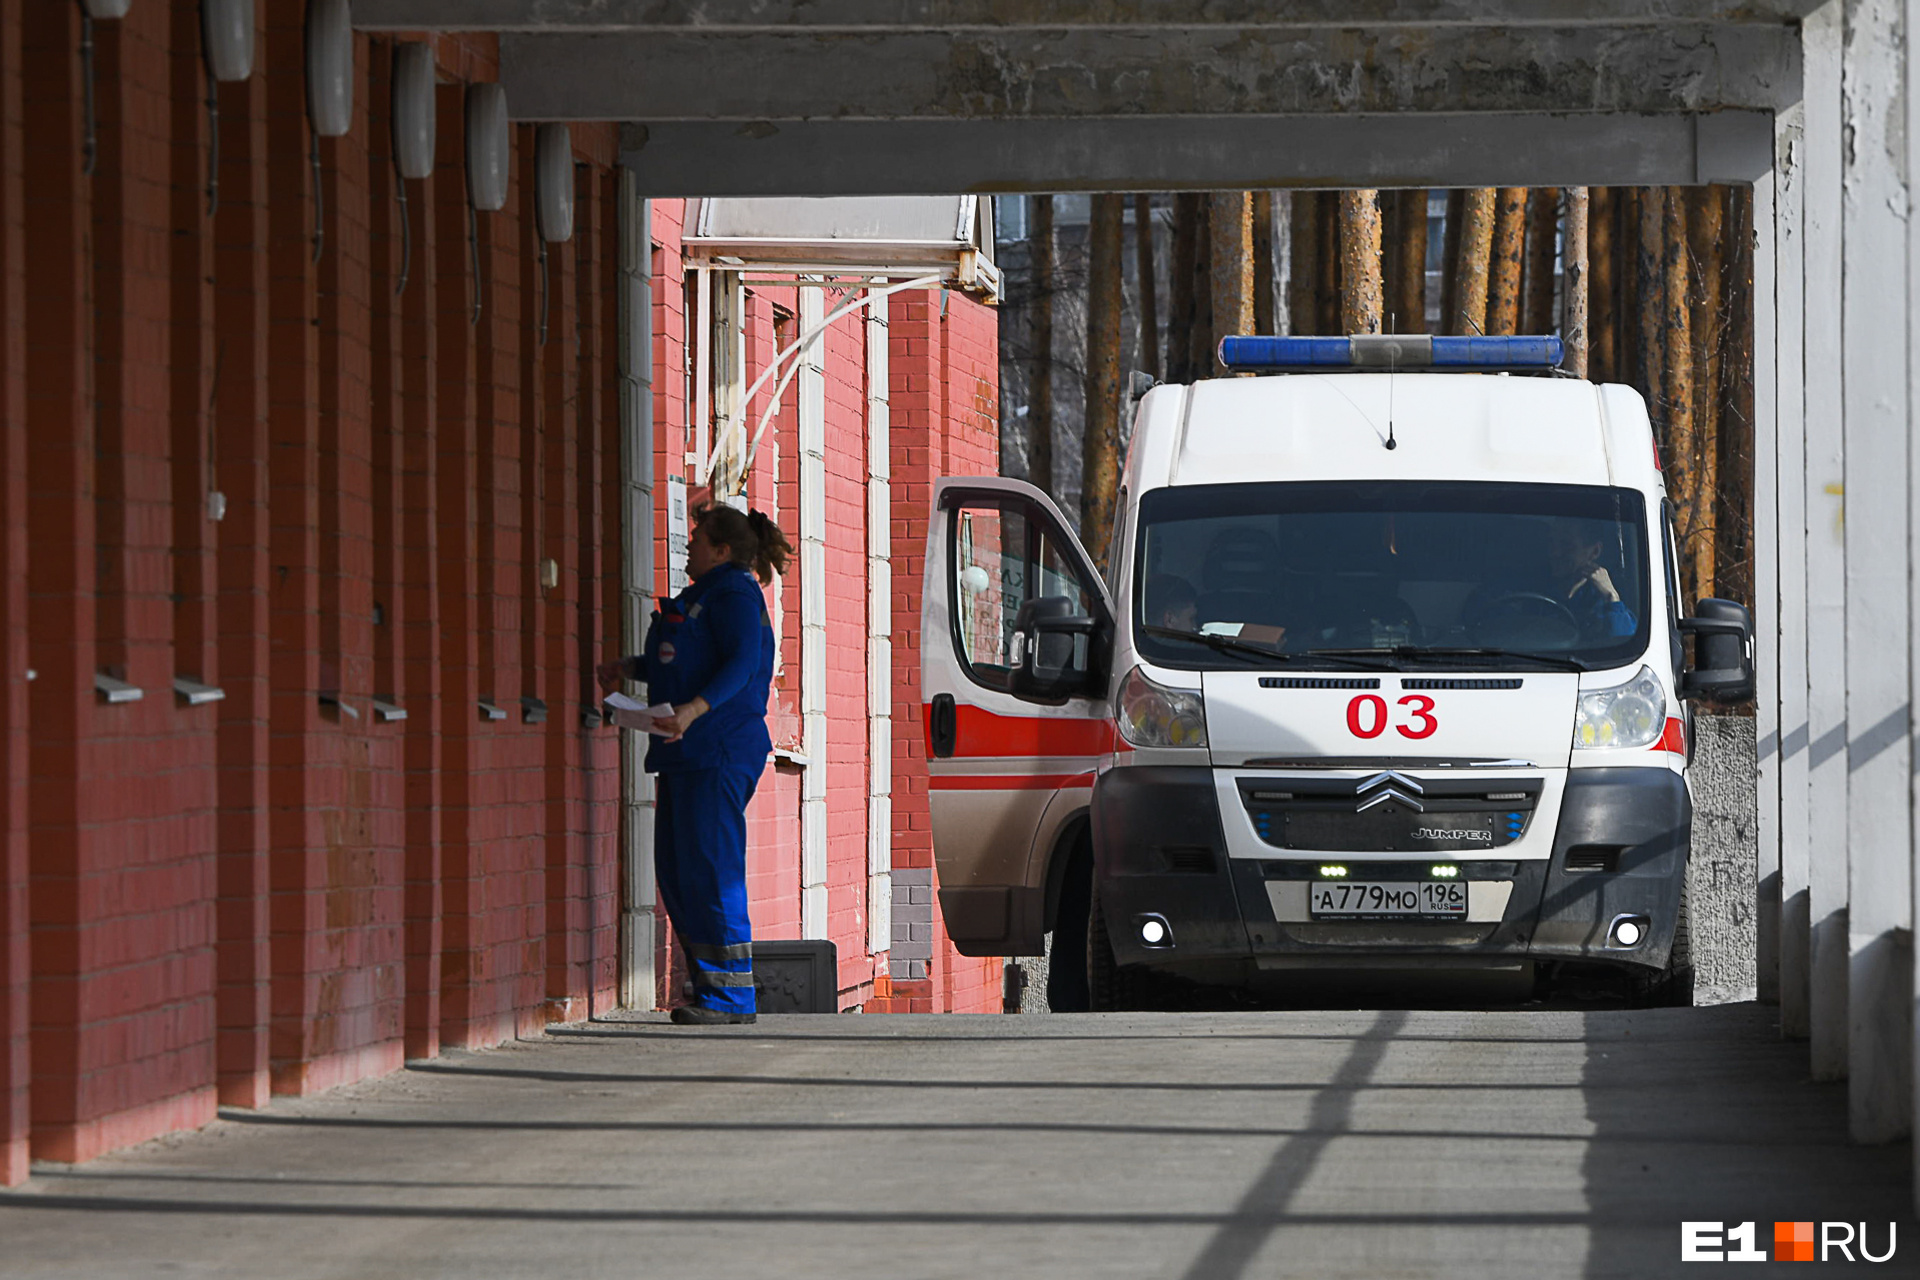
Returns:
(1404, 898)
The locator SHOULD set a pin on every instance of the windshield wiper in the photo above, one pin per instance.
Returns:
(1229, 644)
(1218, 643)
(1416, 652)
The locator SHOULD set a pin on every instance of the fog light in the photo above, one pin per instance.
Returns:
(1629, 931)
(1154, 931)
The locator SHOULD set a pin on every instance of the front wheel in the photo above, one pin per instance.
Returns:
(1111, 985)
(1672, 987)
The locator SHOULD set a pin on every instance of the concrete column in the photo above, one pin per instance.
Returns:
(1766, 602)
(1878, 609)
(1825, 549)
(1787, 602)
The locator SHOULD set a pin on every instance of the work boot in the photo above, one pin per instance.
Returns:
(698, 1015)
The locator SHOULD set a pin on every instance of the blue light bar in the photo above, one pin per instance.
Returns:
(1372, 351)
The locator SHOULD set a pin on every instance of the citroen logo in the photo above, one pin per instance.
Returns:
(1388, 785)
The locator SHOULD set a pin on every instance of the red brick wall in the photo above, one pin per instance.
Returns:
(946, 395)
(283, 890)
(268, 893)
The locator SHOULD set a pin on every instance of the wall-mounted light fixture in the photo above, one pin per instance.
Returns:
(552, 199)
(226, 47)
(330, 67)
(553, 182)
(489, 162)
(226, 36)
(329, 92)
(413, 133)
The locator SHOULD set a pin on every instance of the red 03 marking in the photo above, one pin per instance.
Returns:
(1367, 716)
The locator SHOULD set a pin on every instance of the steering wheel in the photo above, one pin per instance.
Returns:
(1552, 623)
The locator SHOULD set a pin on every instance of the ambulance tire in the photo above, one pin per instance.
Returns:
(1111, 985)
(1672, 987)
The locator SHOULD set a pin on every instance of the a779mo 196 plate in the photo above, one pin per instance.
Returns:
(1404, 899)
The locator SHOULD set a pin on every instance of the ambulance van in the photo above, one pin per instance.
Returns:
(1386, 669)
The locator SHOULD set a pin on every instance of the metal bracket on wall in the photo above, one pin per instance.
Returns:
(334, 700)
(113, 690)
(386, 709)
(490, 712)
(195, 694)
(592, 718)
(533, 710)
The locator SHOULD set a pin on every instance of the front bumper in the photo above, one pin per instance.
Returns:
(1159, 851)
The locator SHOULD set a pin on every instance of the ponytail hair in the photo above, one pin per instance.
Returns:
(755, 541)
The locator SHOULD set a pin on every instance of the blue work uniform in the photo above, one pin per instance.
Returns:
(1599, 616)
(711, 641)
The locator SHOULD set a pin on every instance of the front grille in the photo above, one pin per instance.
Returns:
(1319, 682)
(1462, 682)
(1424, 817)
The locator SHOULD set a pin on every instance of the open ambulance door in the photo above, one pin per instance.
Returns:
(1016, 629)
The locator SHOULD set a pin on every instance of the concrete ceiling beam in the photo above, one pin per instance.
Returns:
(902, 15)
(1162, 154)
(1083, 74)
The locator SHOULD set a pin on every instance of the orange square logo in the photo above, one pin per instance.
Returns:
(1793, 1242)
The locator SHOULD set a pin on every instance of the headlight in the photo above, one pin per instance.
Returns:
(1152, 715)
(1633, 714)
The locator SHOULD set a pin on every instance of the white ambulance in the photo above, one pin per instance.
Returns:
(1386, 670)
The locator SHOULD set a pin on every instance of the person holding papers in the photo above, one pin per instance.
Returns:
(709, 657)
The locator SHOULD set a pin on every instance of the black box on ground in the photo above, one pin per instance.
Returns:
(796, 975)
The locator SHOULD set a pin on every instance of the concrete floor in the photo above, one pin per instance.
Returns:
(1364, 1144)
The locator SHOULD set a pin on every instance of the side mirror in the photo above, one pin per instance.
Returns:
(1722, 667)
(1051, 650)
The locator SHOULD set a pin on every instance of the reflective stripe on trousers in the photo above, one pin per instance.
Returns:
(700, 863)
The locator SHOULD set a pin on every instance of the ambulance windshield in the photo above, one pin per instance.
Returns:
(1422, 571)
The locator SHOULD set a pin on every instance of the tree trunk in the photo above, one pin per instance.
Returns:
(1264, 320)
(1100, 452)
(1360, 285)
(1507, 260)
(1230, 231)
(1649, 283)
(1406, 287)
(1450, 259)
(1706, 228)
(1574, 274)
(1603, 276)
(1543, 220)
(1149, 304)
(1305, 246)
(1675, 316)
(1200, 336)
(1186, 225)
(1040, 424)
(1328, 289)
(1733, 576)
(1469, 315)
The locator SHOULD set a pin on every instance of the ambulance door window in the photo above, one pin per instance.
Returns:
(993, 572)
(1002, 558)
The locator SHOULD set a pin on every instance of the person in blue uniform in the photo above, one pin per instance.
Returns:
(709, 652)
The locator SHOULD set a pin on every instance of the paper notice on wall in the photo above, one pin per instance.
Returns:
(676, 536)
